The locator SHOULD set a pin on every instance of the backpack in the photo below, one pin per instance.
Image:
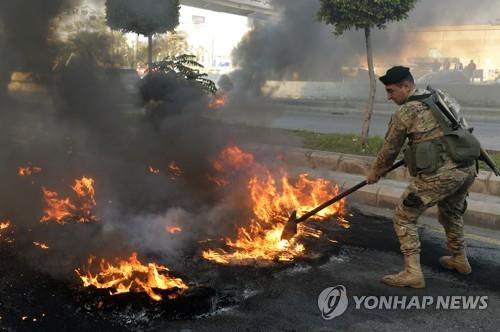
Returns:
(457, 142)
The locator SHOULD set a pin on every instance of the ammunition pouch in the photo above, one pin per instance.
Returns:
(424, 157)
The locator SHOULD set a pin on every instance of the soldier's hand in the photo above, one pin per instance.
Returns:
(372, 178)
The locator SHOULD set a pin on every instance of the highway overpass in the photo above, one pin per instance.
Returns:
(238, 7)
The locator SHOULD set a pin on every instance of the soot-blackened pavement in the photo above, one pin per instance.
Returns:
(280, 297)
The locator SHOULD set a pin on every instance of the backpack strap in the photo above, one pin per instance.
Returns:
(419, 97)
(428, 99)
(438, 114)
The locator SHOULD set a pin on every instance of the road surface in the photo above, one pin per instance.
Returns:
(284, 298)
(334, 121)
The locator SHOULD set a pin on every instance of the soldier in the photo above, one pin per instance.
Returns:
(438, 179)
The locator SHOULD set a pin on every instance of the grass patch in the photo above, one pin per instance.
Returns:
(495, 156)
(351, 144)
(342, 143)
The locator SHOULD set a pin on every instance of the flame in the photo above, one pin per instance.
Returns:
(254, 243)
(4, 230)
(60, 210)
(41, 245)
(175, 169)
(131, 276)
(229, 160)
(153, 170)
(5, 224)
(173, 229)
(232, 158)
(272, 202)
(303, 195)
(217, 101)
(57, 209)
(84, 189)
(28, 170)
(219, 182)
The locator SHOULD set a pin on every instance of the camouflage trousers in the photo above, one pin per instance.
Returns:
(449, 190)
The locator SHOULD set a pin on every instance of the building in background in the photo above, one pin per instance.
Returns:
(453, 47)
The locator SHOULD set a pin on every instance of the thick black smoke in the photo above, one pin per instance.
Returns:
(295, 46)
(86, 127)
(88, 123)
(24, 36)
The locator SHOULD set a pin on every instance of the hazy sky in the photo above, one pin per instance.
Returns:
(220, 31)
(224, 30)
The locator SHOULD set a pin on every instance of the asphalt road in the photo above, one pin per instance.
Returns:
(283, 297)
(326, 120)
(287, 300)
(333, 121)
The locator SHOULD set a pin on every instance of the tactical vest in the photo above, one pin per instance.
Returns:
(426, 157)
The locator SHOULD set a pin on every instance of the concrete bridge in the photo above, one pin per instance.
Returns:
(238, 7)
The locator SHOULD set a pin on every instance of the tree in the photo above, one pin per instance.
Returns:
(165, 46)
(145, 17)
(365, 15)
(186, 67)
(97, 47)
(171, 85)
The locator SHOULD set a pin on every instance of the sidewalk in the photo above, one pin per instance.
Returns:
(347, 170)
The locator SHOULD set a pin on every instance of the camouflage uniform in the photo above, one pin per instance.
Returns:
(448, 187)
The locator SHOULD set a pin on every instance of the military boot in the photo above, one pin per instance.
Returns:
(457, 262)
(411, 276)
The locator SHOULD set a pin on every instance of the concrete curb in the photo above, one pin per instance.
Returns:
(482, 211)
(347, 170)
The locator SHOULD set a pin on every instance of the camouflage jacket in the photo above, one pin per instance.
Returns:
(413, 120)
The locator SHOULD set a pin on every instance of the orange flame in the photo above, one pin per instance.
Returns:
(57, 209)
(175, 169)
(219, 182)
(153, 170)
(271, 202)
(173, 229)
(217, 101)
(132, 276)
(84, 189)
(229, 160)
(302, 196)
(41, 245)
(4, 230)
(60, 210)
(28, 170)
(232, 158)
(5, 224)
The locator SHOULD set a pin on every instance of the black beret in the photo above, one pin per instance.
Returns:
(395, 75)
